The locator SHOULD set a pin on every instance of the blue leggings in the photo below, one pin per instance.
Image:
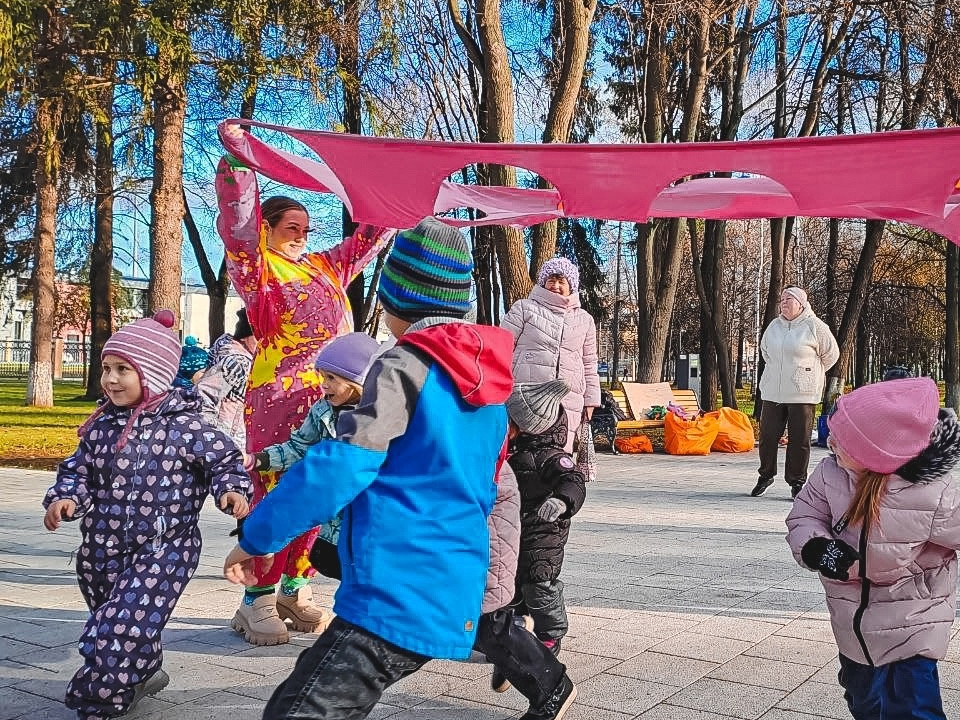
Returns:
(904, 690)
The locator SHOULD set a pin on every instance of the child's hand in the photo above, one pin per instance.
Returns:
(551, 510)
(833, 558)
(249, 462)
(238, 568)
(59, 510)
(239, 507)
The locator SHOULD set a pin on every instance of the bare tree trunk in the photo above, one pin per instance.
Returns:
(859, 288)
(861, 368)
(101, 254)
(217, 311)
(482, 267)
(46, 125)
(499, 116)
(952, 355)
(571, 44)
(714, 343)
(348, 65)
(40, 379)
(658, 266)
(167, 205)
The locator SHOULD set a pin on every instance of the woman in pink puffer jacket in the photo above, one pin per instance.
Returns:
(556, 338)
(880, 521)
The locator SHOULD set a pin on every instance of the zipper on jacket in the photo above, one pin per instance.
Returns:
(864, 596)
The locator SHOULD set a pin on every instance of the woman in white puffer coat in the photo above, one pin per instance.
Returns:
(556, 338)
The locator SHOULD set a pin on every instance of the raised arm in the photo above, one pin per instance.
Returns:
(239, 223)
(351, 256)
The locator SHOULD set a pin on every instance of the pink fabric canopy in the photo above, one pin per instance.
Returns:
(909, 176)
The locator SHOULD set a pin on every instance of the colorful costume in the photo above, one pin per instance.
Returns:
(295, 307)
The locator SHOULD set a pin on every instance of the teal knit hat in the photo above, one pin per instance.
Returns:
(427, 274)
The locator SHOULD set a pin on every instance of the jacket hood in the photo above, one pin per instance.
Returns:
(560, 303)
(556, 436)
(476, 357)
(940, 456)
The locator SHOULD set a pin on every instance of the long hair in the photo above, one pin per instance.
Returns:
(865, 507)
(272, 209)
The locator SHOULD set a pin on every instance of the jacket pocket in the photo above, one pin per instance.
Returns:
(805, 380)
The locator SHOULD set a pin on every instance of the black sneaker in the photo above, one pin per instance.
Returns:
(794, 491)
(761, 487)
(557, 704)
(151, 686)
(498, 681)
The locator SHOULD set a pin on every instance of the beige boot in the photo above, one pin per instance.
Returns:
(259, 623)
(301, 611)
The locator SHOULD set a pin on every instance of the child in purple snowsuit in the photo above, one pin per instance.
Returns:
(145, 464)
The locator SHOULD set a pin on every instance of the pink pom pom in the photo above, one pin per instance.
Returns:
(165, 318)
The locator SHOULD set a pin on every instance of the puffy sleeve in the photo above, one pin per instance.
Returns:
(827, 348)
(810, 515)
(73, 477)
(513, 320)
(591, 396)
(389, 398)
(351, 256)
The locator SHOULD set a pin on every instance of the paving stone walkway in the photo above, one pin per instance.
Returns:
(684, 601)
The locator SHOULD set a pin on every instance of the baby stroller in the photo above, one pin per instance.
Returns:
(603, 424)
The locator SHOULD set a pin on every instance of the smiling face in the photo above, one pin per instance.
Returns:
(121, 382)
(339, 391)
(790, 307)
(289, 236)
(557, 284)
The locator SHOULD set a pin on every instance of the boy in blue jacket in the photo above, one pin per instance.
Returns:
(413, 469)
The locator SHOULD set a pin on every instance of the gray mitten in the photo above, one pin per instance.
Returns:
(551, 510)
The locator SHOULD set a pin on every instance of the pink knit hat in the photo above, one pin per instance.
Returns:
(883, 426)
(151, 348)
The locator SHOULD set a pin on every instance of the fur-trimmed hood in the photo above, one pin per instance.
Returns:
(940, 456)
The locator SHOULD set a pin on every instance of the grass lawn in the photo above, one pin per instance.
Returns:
(40, 437)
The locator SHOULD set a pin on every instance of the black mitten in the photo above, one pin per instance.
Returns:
(833, 558)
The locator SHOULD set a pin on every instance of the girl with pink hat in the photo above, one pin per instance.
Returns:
(880, 521)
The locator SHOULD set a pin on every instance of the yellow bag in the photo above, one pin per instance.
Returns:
(689, 437)
(634, 444)
(735, 431)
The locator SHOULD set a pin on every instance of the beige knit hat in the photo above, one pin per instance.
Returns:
(535, 407)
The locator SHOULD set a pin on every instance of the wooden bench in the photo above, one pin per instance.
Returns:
(635, 399)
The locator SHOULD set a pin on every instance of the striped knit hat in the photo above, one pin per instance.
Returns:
(151, 348)
(427, 274)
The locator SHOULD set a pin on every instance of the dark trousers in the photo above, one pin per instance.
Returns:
(905, 690)
(131, 598)
(797, 420)
(525, 661)
(341, 676)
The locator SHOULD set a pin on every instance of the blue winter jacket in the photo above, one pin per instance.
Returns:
(414, 470)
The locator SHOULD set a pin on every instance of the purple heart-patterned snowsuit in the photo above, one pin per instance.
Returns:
(138, 510)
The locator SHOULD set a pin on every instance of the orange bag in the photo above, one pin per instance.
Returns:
(634, 444)
(689, 437)
(736, 432)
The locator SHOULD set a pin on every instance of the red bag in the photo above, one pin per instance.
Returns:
(689, 437)
(735, 431)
